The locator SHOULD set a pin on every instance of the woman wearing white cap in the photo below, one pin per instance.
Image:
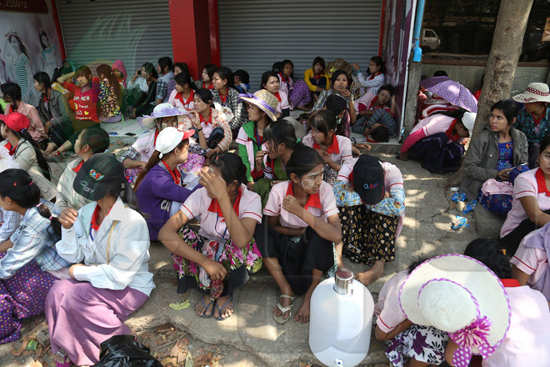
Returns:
(135, 158)
(534, 118)
(439, 144)
(160, 186)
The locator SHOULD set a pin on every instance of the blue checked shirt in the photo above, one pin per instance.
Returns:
(9, 221)
(31, 241)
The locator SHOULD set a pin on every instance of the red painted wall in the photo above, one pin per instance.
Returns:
(190, 22)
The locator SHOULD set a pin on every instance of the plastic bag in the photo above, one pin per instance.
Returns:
(125, 351)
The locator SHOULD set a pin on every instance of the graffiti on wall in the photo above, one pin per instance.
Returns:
(28, 44)
(397, 45)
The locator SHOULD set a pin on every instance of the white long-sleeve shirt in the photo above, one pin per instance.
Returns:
(372, 85)
(115, 256)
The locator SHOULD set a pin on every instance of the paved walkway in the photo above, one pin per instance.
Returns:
(256, 339)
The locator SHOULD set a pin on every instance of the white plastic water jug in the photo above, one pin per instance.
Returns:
(340, 321)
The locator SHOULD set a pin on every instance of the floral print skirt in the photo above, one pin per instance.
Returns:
(225, 253)
(423, 343)
(367, 236)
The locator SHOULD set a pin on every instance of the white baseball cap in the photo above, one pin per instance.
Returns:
(169, 138)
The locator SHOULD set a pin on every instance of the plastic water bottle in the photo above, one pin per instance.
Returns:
(453, 191)
(340, 321)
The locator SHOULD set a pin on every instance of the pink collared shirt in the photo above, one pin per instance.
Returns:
(322, 204)
(531, 261)
(528, 340)
(36, 128)
(339, 151)
(212, 225)
(387, 308)
(525, 185)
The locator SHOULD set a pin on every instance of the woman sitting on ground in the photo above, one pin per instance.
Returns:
(334, 149)
(90, 141)
(9, 220)
(534, 117)
(183, 95)
(439, 143)
(261, 108)
(29, 263)
(109, 245)
(14, 128)
(53, 112)
(145, 103)
(375, 78)
(217, 258)
(280, 141)
(530, 204)
(207, 75)
(377, 120)
(316, 77)
(494, 154)
(211, 124)
(159, 187)
(371, 199)
(302, 225)
(227, 96)
(110, 95)
(400, 334)
(271, 83)
(135, 157)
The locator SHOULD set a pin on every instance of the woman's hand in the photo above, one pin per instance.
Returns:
(68, 217)
(260, 158)
(291, 205)
(71, 269)
(195, 120)
(504, 174)
(215, 270)
(212, 152)
(214, 184)
(345, 92)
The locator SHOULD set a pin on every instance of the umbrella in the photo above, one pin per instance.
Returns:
(452, 91)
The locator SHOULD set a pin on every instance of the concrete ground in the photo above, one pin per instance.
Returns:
(251, 337)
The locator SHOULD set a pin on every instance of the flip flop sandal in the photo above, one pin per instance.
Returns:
(204, 313)
(223, 308)
(281, 319)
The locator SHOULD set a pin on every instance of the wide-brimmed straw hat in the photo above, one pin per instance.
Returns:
(535, 92)
(264, 100)
(459, 295)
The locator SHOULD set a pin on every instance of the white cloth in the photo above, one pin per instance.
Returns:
(115, 258)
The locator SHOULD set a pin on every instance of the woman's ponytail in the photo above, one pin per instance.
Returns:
(44, 167)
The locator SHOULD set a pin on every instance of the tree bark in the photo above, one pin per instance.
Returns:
(502, 62)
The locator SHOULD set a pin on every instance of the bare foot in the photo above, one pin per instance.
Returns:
(303, 313)
(369, 276)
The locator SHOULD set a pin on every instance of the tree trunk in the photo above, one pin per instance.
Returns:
(502, 62)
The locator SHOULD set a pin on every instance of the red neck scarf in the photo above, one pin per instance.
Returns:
(278, 95)
(215, 206)
(372, 76)
(451, 133)
(333, 148)
(541, 183)
(11, 150)
(188, 100)
(209, 86)
(510, 283)
(283, 77)
(176, 175)
(206, 122)
(79, 166)
(156, 136)
(313, 200)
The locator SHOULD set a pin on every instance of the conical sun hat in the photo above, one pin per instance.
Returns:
(462, 296)
(264, 100)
